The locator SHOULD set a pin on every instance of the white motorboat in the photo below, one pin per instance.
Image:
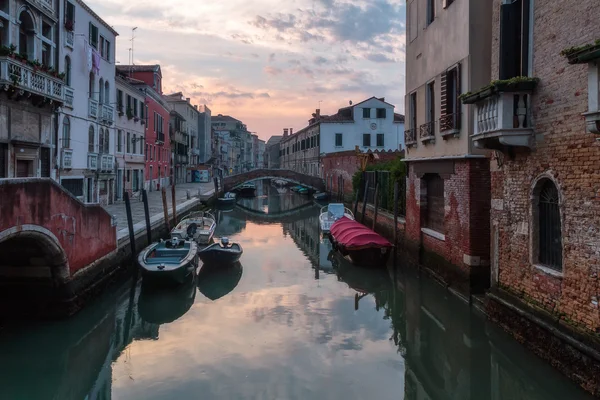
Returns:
(227, 199)
(331, 213)
(198, 226)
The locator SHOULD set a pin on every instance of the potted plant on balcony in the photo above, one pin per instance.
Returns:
(61, 76)
(69, 25)
(129, 113)
(516, 84)
(582, 54)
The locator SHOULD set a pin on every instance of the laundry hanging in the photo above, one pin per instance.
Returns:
(95, 62)
(87, 54)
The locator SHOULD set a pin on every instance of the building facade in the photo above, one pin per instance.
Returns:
(300, 150)
(130, 137)
(87, 139)
(235, 144)
(32, 88)
(190, 114)
(157, 151)
(180, 140)
(205, 138)
(272, 152)
(448, 187)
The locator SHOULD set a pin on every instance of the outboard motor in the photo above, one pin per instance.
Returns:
(174, 242)
(225, 242)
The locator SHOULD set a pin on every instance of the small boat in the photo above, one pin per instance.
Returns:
(321, 196)
(360, 244)
(305, 191)
(198, 226)
(296, 188)
(221, 253)
(227, 199)
(169, 261)
(331, 213)
(247, 190)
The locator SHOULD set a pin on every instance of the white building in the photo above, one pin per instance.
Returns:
(32, 89)
(86, 122)
(130, 137)
(190, 114)
(370, 124)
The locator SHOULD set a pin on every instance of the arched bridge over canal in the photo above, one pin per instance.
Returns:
(295, 214)
(233, 181)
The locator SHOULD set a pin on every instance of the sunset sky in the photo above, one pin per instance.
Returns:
(267, 62)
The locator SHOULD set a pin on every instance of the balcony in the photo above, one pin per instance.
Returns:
(410, 137)
(92, 162)
(107, 114)
(70, 39)
(427, 132)
(22, 76)
(450, 125)
(107, 163)
(69, 97)
(66, 159)
(92, 108)
(503, 114)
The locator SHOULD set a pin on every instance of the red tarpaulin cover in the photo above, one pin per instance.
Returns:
(355, 236)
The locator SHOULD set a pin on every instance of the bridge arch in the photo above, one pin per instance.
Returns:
(32, 252)
(233, 181)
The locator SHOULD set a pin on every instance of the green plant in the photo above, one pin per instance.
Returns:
(129, 113)
(576, 49)
(496, 85)
(397, 172)
(62, 76)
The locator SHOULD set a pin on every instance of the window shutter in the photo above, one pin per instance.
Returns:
(457, 102)
(91, 33)
(510, 41)
(444, 94)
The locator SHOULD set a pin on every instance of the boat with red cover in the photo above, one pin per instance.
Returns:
(360, 244)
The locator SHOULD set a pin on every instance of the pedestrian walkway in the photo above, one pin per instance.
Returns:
(155, 202)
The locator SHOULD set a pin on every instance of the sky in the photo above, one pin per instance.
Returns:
(268, 63)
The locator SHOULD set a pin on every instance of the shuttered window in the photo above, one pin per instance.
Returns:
(45, 162)
(435, 203)
(450, 90)
(514, 39)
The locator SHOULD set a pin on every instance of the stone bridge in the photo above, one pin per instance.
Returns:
(233, 181)
(48, 237)
(292, 215)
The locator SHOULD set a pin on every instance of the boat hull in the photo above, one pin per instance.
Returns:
(176, 275)
(215, 254)
(226, 201)
(369, 258)
(173, 266)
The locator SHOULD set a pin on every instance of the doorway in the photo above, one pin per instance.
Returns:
(24, 168)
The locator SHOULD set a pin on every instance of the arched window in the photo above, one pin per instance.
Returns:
(26, 34)
(92, 85)
(91, 140)
(101, 140)
(68, 70)
(66, 134)
(106, 141)
(549, 233)
(106, 92)
(101, 91)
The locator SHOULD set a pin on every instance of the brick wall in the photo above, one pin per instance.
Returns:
(565, 153)
(345, 164)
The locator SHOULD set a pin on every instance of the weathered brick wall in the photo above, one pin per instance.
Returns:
(346, 164)
(564, 151)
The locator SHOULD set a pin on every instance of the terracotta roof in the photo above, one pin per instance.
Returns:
(398, 117)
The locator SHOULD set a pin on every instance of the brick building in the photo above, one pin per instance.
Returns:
(448, 186)
(545, 204)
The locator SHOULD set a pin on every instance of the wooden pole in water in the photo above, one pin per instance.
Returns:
(356, 201)
(130, 225)
(396, 190)
(165, 208)
(147, 215)
(216, 181)
(174, 205)
(364, 206)
(376, 205)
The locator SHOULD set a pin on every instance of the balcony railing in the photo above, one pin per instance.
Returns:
(66, 158)
(92, 161)
(69, 39)
(427, 132)
(107, 114)
(450, 124)
(410, 137)
(23, 76)
(503, 119)
(107, 162)
(69, 96)
(92, 108)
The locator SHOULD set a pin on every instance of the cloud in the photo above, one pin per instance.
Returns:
(272, 57)
(379, 58)
(269, 70)
(254, 55)
(320, 60)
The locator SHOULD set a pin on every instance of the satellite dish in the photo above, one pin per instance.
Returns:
(350, 102)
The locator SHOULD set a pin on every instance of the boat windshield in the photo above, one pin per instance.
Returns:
(336, 210)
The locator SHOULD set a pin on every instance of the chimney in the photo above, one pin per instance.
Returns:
(196, 107)
(285, 132)
(318, 113)
(291, 131)
(187, 99)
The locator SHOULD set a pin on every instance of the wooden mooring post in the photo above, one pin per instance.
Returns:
(174, 204)
(130, 225)
(376, 205)
(396, 190)
(364, 206)
(147, 215)
(165, 208)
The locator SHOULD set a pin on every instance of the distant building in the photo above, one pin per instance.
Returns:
(238, 140)
(205, 137)
(272, 152)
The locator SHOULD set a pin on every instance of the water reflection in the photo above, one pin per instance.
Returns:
(277, 333)
(158, 305)
(215, 281)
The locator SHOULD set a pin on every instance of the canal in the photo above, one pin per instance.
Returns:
(293, 320)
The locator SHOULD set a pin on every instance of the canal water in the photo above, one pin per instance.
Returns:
(293, 320)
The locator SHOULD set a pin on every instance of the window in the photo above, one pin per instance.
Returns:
(101, 91)
(128, 143)
(450, 90)
(119, 141)
(135, 107)
(47, 55)
(434, 217)
(430, 100)
(366, 113)
(134, 143)
(380, 140)
(93, 36)
(366, 139)
(74, 186)
(381, 113)
(68, 70)
(120, 100)
(27, 35)
(69, 13)
(430, 11)
(92, 85)
(102, 46)
(106, 92)
(413, 110)
(318, 139)
(101, 140)
(129, 110)
(549, 225)
(66, 133)
(106, 141)
(106, 50)
(338, 140)
(147, 151)
(514, 39)
(91, 140)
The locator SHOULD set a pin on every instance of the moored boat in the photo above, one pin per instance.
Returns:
(198, 226)
(296, 188)
(221, 253)
(321, 196)
(169, 261)
(247, 190)
(331, 213)
(304, 190)
(227, 199)
(359, 244)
